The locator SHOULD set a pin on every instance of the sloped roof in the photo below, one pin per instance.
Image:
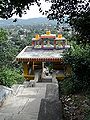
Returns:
(30, 54)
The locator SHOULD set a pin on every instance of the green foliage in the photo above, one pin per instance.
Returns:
(60, 8)
(3, 35)
(29, 37)
(81, 25)
(9, 77)
(66, 86)
(76, 13)
(8, 8)
(87, 116)
(79, 59)
(87, 111)
(8, 51)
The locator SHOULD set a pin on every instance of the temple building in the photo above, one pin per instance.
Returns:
(47, 48)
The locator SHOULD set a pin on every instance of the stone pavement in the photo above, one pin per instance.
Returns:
(25, 104)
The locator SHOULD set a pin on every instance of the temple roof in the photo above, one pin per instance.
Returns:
(44, 50)
(30, 54)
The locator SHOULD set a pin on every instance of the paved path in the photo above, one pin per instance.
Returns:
(25, 105)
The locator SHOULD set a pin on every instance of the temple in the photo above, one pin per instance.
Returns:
(47, 48)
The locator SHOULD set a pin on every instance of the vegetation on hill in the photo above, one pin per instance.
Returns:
(26, 22)
(8, 50)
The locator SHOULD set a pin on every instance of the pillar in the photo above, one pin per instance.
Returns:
(25, 68)
(54, 43)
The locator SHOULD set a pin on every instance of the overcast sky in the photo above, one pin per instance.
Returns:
(34, 11)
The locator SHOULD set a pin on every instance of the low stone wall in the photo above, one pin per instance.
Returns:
(4, 92)
(50, 107)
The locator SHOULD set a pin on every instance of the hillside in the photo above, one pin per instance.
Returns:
(31, 21)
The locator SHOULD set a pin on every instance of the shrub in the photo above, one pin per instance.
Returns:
(8, 77)
(79, 59)
(66, 86)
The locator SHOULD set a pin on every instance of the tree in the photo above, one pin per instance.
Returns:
(9, 73)
(7, 49)
(18, 7)
(72, 8)
(81, 24)
(78, 16)
(3, 35)
(58, 9)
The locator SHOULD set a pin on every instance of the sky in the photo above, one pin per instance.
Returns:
(34, 11)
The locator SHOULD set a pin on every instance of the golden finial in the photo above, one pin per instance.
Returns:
(37, 36)
(48, 32)
(59, 35)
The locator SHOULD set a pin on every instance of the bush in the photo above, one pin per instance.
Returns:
(9, 70)
(66, 86)
(79, 59)
(8, 77)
